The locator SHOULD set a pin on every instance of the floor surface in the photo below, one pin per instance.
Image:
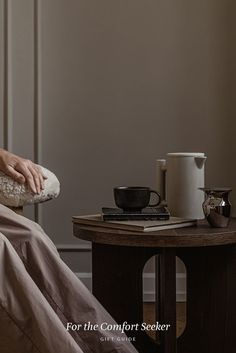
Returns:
(149, 316)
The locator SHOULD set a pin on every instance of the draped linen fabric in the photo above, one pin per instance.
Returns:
(39, 295)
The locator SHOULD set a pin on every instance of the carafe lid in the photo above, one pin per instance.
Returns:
(216, 189)
(186, 154)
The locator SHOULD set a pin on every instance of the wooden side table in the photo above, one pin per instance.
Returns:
(209, 255)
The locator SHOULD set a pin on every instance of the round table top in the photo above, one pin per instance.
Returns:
(197, 236)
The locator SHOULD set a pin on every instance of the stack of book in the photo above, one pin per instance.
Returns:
(136, 223)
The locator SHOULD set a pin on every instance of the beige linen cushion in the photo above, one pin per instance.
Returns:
(13, 194)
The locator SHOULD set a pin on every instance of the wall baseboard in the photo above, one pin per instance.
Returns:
(74, 247)
(149, 285)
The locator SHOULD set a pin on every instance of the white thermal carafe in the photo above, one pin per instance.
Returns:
(184, 176)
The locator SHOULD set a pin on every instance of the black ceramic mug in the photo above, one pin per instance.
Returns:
(134, 198)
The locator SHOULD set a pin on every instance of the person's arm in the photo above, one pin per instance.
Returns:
(22, 170)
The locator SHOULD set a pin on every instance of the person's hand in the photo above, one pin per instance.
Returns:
(22, 170)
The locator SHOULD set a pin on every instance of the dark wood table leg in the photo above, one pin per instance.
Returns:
(211, 300)
(118, 285)
(167, 299)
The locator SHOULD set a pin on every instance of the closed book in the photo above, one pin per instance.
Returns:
(135, 225)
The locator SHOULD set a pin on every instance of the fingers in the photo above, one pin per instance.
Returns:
(41, 180)
(36, 178)
(31, 175)
(23, 168)
(42, 177)
(10, 171)
(37, 175)
(41, 171)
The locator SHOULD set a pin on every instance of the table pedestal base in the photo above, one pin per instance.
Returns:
(211, 300)
(211, 295)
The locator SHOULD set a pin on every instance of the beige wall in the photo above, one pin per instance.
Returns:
(1, 73)
(231, 138)
(120, 83)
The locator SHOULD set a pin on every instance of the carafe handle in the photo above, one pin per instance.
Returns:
(200, 161)
(161, 177)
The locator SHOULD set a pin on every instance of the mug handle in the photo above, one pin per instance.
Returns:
(159, 199)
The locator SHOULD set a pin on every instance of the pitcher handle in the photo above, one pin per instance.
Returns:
(200, 161)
